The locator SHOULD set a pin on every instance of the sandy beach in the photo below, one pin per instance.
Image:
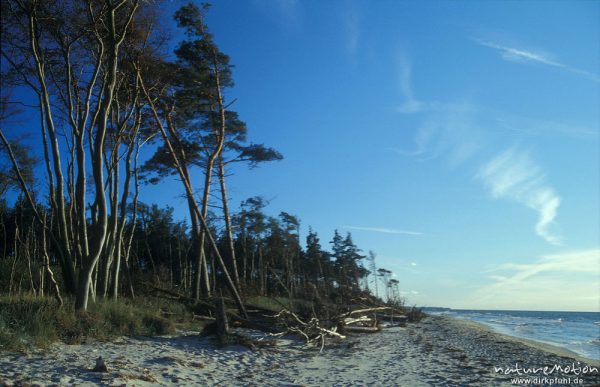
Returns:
(439, 351)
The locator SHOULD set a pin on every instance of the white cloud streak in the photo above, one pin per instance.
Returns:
(410, 104)
(449, 130)
(462, 132)
(351, 22)
(565, 281)
(515, 176)
(534, 56)
(534, 127)
(286, 13)
(384, 230)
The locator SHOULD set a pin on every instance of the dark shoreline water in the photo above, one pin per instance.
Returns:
(576, 331)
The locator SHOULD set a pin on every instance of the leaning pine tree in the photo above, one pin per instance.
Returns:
(186, 100)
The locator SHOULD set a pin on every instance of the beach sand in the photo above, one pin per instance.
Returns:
(439, 351)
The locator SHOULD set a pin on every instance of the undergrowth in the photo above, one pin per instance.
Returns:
(28, 322)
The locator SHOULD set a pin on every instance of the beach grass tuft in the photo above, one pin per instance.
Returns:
(36, 322)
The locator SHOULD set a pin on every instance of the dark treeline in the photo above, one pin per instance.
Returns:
(270, 258)
(103, 87)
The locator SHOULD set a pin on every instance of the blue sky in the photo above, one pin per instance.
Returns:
(457, 140)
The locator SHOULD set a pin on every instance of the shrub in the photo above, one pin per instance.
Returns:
(28, 321)
(156, 325)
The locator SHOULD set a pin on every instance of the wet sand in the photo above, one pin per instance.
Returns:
(439, 351)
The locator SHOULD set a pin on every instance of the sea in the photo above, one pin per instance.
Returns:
(576, 331)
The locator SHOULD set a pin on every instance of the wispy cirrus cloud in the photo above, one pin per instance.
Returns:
(568, 281)
(456, 134)
(463, 133)
(410, 104)
(515, 125)
(534, 56)
(287, 13)
(514, 175)
(448, 130)
(384, 230)
(351, 28)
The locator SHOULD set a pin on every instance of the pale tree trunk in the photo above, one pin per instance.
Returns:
(228, 228)
(48, 269)
(219, 133)
(112, 247)
(201, 277)
(123, 213)
(59, 196)
(75, 92)
(100, 229)
(190, 194)
(136, 195)
(202, 271)
(261, 273)
(106, 257)
(38, 217)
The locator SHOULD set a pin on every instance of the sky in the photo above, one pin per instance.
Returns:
(458, 140)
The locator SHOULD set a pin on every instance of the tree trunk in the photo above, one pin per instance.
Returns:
(221, 320)
(101, 227)
(59, 196)
(189, 192)
(228, 228)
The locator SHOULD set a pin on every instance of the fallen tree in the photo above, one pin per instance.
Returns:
(361, 329)
(311, 330)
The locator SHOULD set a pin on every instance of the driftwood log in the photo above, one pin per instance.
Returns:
(246, 323)
(367, 310)
(202, 318)
(359, 320)
(360, 329)
(311, 330)
(314, 331)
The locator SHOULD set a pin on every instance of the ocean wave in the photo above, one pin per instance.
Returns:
(575, 331)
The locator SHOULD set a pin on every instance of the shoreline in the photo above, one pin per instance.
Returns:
(543, 346)
(438, 350)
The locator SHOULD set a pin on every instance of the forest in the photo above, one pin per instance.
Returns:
(114, 106)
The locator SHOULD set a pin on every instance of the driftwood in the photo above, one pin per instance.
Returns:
(312, 331)
(362, 320)
(202, 318)
(246, 323)
(359, 320)
(359, 329)
(367, 310)
(225, 336)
